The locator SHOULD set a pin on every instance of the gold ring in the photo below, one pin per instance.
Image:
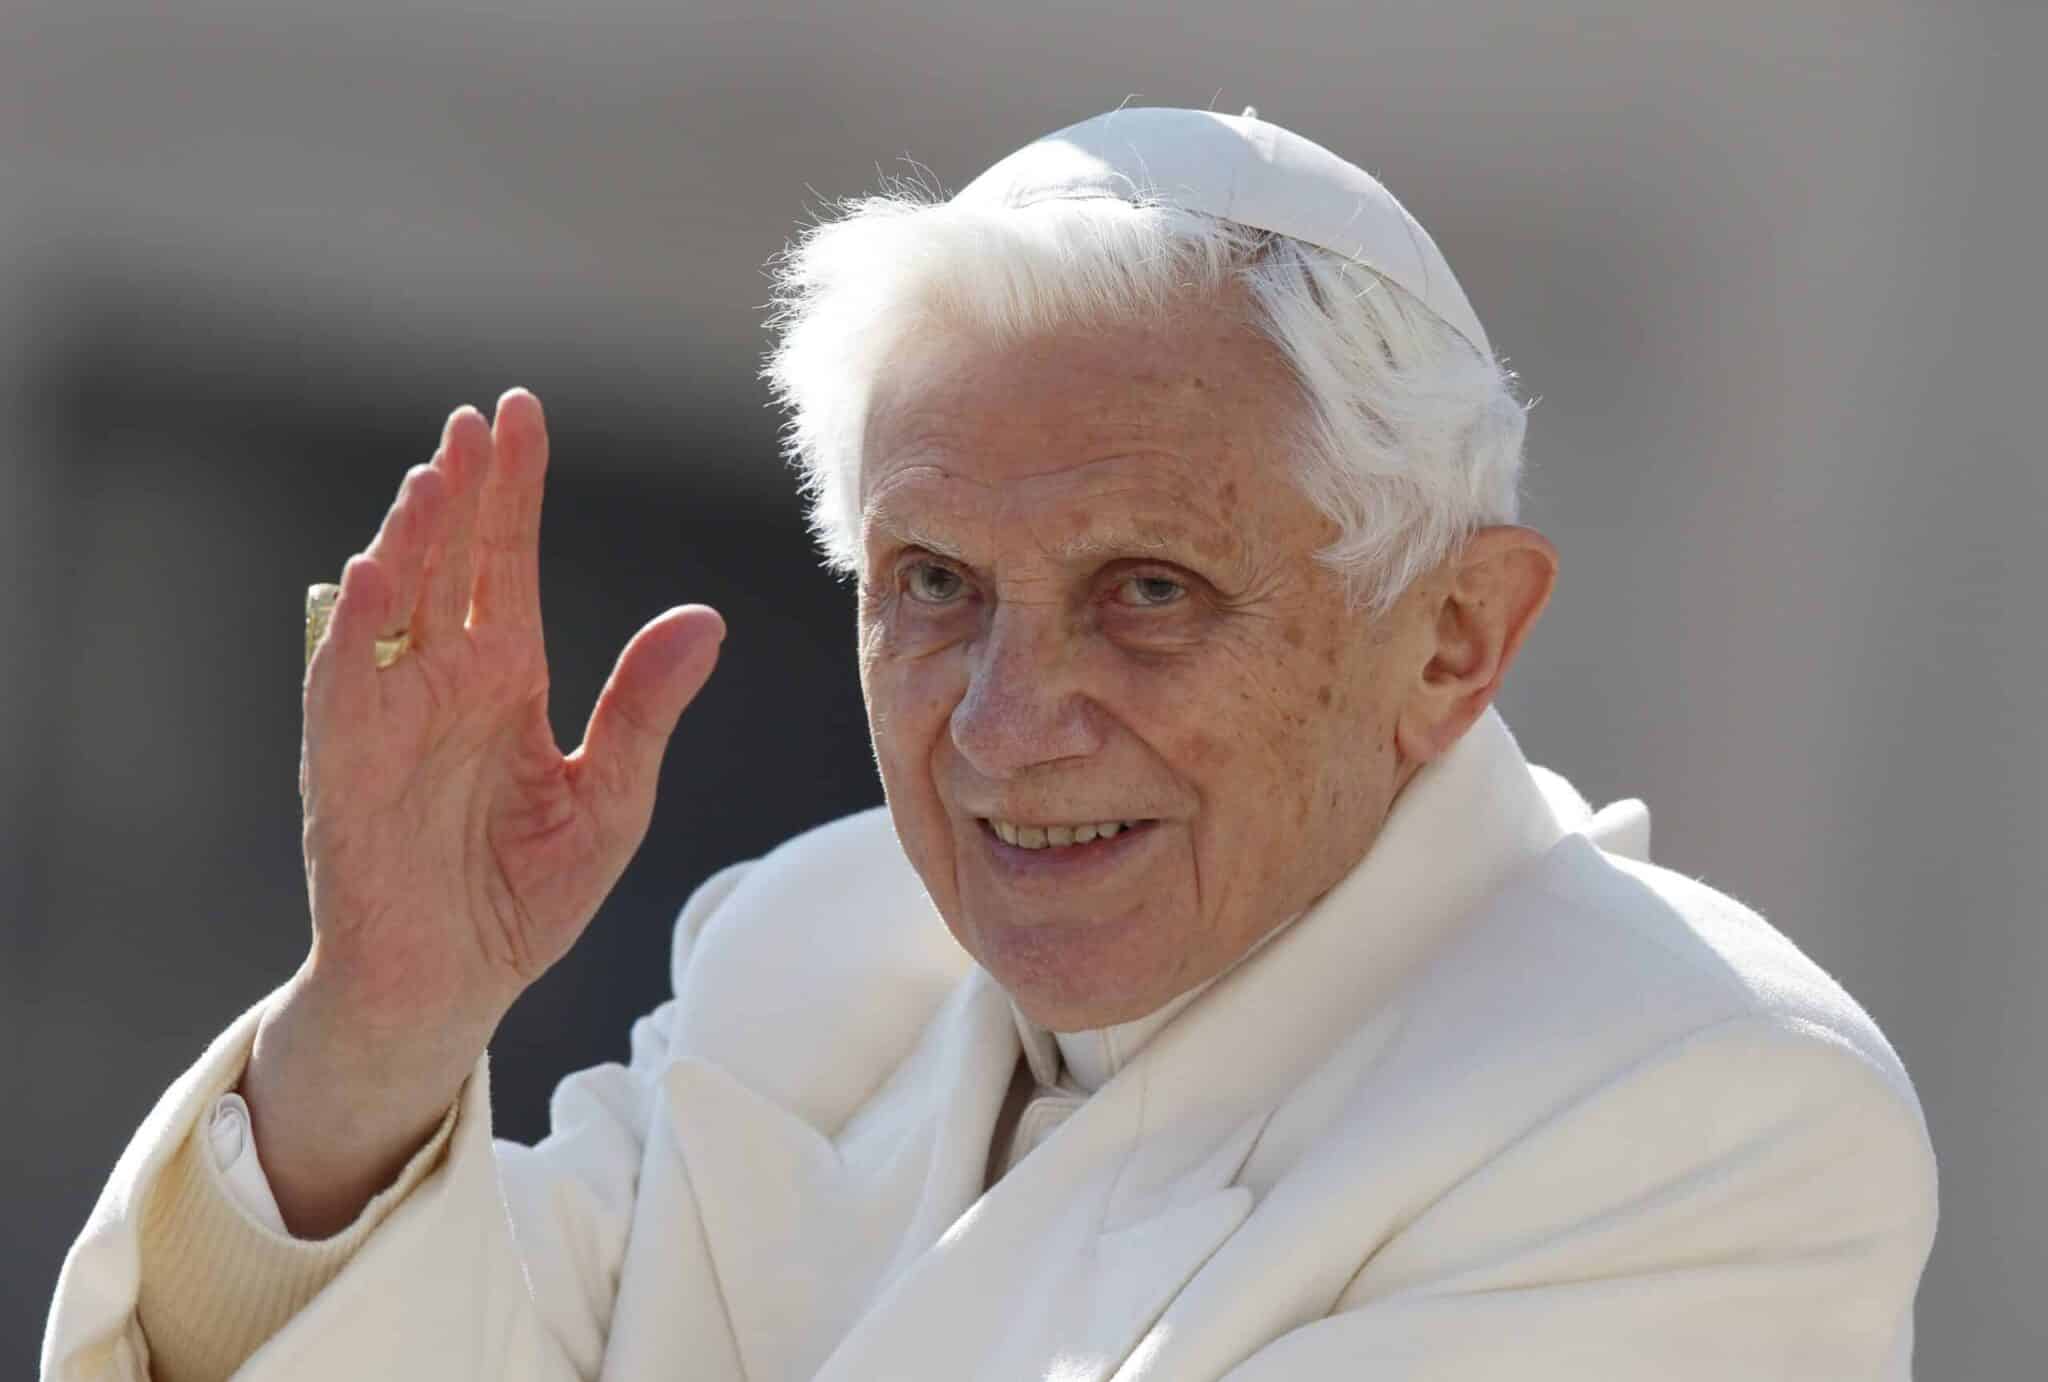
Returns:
(320, 609)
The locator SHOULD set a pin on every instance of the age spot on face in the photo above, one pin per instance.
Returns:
(1205, 749)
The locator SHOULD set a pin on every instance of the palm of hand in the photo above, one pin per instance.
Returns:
(453, 851)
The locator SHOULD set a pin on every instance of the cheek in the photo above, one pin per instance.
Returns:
(907, 696)
(1352, 718)
(1289, 761)
(1251, 749)
(909, 705)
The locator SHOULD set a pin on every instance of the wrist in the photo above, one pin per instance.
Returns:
(396, 1007)
(331, 1032)
(337, 1107)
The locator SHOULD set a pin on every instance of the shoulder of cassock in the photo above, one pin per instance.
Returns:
(816, 968)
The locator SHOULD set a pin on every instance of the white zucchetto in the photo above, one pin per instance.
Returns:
(1239, 168)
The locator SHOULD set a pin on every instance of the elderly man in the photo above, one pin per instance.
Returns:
(1221, 993)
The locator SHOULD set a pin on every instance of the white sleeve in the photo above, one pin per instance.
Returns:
(484, 1261)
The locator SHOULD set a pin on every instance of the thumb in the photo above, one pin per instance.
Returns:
(657, 676)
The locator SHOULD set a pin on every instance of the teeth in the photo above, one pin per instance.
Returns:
(1056, 836)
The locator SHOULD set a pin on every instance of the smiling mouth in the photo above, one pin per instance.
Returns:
(1058, 836)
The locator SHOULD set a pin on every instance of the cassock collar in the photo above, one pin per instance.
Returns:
(1084, 1061)
(1463, 823)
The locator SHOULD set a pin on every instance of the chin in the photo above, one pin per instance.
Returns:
(1067, 978)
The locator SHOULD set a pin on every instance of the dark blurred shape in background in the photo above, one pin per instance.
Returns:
(1773, 271)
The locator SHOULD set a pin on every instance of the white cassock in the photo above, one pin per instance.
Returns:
(1506, 1103)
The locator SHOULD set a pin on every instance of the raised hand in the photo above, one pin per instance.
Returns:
(453, 851)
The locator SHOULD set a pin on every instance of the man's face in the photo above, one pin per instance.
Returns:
(1090, 605)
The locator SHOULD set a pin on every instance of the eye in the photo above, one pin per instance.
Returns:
(1150, 592)
(930, 583)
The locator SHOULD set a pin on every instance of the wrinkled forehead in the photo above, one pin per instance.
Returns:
(1201, 358)
(1169, 433)
(1118, 506)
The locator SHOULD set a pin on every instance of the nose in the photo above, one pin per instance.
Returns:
(1024, 705)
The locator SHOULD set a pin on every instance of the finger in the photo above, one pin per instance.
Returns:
(463, 461)
(508, 515)
(341, 679)
(657, 676)
(401, 545)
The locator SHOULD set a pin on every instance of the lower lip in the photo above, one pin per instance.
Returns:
(1067, 863)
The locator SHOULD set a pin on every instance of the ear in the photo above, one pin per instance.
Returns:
(1481, 604)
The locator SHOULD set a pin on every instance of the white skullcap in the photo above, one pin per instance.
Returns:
(1238, 168)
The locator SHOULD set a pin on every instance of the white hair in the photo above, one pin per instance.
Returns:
(1411, 438)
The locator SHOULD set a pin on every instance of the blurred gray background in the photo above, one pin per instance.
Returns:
(1770, 268)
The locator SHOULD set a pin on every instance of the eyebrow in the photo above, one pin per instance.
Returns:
(913, 534)
(1118, 543)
